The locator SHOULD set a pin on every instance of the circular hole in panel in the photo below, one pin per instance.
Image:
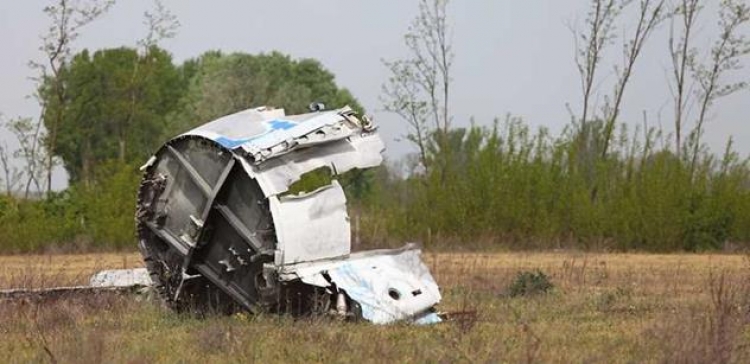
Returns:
(393, 293)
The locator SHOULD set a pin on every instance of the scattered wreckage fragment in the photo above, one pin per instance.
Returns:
(116, 281)
(220, 230)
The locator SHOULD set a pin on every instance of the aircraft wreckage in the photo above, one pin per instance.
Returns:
(219, 228)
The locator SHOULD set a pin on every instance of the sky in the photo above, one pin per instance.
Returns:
(511, 57)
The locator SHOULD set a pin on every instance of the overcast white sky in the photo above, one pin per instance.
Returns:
(511, 56)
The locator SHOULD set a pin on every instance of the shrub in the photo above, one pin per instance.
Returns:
(529, 283)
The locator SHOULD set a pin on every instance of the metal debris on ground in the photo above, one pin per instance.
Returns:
(219, 229)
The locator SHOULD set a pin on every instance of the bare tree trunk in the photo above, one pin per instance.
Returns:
(726, 54)
(680, 52)
(650, 15)
(57, 59)
(600, 24)
(11, 174)
(34, 154)
(419, 87)
(589, 48)
(162, 24)
(67, 18)
(705, 104)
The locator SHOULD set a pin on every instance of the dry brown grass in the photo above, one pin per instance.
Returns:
(605, 308)
(43, 271)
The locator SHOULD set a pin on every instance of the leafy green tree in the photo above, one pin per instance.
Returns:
(224, 84)
(115, 106)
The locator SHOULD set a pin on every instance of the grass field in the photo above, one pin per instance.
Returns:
(603, 308)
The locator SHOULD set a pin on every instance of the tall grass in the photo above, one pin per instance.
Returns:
(511, 186)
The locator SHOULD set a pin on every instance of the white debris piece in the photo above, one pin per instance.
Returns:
(121, 278)
(389, 285)
(312, 226)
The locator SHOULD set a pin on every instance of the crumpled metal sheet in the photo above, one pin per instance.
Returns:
(389, 285)
(277, 174)
(280, 149)
(311, 226)
(268, 136)
(121, 278)
(233, 130)
(264, 133)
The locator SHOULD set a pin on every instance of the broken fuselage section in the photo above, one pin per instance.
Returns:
(219, 229)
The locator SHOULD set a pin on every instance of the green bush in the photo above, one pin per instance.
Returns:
(82, 218)
(106, 210)
(529, 283)
(35, 225)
